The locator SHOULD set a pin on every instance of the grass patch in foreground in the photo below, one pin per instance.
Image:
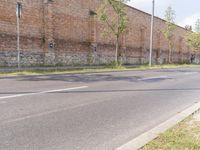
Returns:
(80, 70)
(184, 136)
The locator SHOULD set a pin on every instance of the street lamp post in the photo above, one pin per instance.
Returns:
(151, 35)
(18, 15)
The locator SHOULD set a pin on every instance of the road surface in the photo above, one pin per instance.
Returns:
(91, 111)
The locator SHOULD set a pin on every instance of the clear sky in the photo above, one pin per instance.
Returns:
(187, 11)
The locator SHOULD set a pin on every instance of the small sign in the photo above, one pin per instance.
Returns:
(51, 45)
(19, 10)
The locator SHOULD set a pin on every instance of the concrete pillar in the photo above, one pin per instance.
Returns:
(197, 59)
(93, 37)
(122, 50)
(142, 44)
(180, 49)
(49, 44)
(158, 52)
(189, 53)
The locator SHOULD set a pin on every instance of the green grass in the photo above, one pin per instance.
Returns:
(106, 68)
(53, 71)
(184, 136)
(168, 66)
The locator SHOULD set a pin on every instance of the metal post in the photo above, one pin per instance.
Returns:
(151, 36)
(18, 48)
(18, 15)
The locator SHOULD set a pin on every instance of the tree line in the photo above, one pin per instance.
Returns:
(117, 24)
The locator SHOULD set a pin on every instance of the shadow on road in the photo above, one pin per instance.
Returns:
(84, 78)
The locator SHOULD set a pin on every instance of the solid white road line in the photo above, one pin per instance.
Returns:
(42, 92)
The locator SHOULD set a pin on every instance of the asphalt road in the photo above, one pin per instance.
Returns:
(91, 111)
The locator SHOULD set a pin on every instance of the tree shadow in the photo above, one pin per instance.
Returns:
(178, 70)
(89, 78)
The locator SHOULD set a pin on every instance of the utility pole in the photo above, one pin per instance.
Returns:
(151, 35)
(18, 15)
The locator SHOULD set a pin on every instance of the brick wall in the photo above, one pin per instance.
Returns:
(63, 32)
(31, 32)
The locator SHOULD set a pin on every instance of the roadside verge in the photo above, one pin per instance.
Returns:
(150, 135)
(10, 72)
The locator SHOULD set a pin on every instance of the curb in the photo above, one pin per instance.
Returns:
(73, 73)
(84, 72)
(97, 71)
(61, 67)
(150, 135)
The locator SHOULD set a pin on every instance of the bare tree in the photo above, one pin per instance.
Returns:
(170, 27)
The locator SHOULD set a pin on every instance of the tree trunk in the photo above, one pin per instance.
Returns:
(170, 52)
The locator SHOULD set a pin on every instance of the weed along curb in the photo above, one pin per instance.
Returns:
(150, 135)
(92, 69)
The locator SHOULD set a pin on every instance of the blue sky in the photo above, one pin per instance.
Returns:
(187, 11)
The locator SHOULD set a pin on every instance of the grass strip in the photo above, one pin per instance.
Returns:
(81, 70)
(184, 136)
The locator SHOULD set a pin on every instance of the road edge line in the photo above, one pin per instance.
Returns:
(150, 135)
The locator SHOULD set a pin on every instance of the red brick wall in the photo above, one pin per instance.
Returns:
(77, 36)
(31, 32)
(31, 24)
